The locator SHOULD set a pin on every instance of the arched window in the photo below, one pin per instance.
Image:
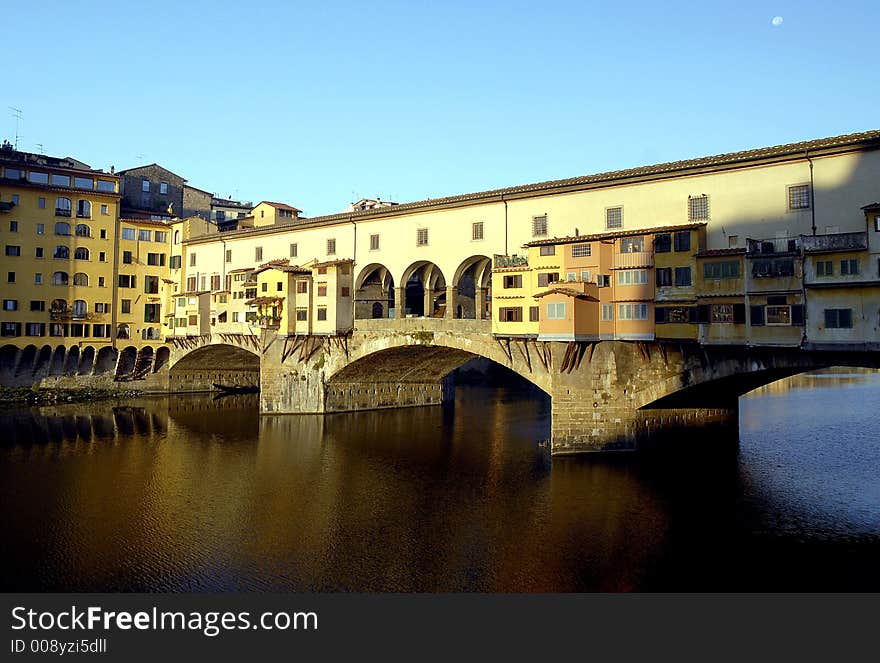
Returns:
(83, 209)
(58, 306)
(60, 278)
(81, 253)
(177, 237)
(62, 228)
(62, 207)
(80, 279)
(122, 331)
(82, 230)
(80, 308)
(61, 252)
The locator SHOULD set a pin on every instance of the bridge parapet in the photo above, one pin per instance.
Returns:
(452, 325)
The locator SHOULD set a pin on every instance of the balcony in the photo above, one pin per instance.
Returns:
(60, 211)
(773, 246)
(633, 260)
(510, 261)
(838, 242)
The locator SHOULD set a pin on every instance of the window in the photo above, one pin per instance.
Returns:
(62, 207)
(539, 226)
(177, 237)
(14, 174)
(664, 276)
(126, 306)
(10, 277)
(571, 277)
(671, 314)
(838, 318)
(632, 244)
(302, 315)
(62, 228)
(145, 236)
(849, 267)
(174, 263)
(13, 226)
(60, 278)
(127, 257)
(556, 311)
(156, 259)
(683, 277)
(607, 312)
(105, 210)
(38, 252)
(38, 305)
(15, 199)
(160, 236)
(510, 314)
(151, 284)
(331, 247)
(128, 233)
(102, 308)
(106, 185)
(145, 186)
(513, 281)
(258, 253)
(825, 268)
(778, 315)
(235, 316)
(585, 276)
(163, 188)
(294, 250)
(534, 313)
(773, 268)
(151, 313)
(732, 241)
(345, 291)
(13, 250)
(547, 278)
(192, 259)
(548, 250)
(614, 217)
(41, 229)
(101, 283)
(322, 290)
(80, 308)
(264, 287)
(83, 209)
(35, 329)
(279, 286)
(663, 243)
(422, 237)
(126, 281)
(477, 231)
(632, 311)
(302, 287)
(322, 270)
(38, 178)
(10, 304)
(81, 253)
(632, 277)
(322, 313)
(11, 329)
(60, 180)
(580, 250)
(61, 252)
(728, 313)
(82, 230)
(228, 255)
(103, 234)
(799, 197)
(728, 269)
(191, 284)
(698, 208)
(683, 241)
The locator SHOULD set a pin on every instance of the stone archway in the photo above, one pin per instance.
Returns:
(472, 288)
(213, 366)
(423, 291)
(374, 293)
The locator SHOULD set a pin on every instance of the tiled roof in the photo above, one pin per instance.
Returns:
(333, 263)
(569, 292)
(280, 206)
(873, 207)
(616, 233)
(145, 222)
(721, 252)
(263, 300)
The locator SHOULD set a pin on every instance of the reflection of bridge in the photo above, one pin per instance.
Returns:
(605, 395)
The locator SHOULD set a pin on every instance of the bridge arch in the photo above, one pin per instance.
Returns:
(204, 367)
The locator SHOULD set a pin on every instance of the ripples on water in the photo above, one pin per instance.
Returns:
(190, 494)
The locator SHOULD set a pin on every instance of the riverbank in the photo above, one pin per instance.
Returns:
(15, 396)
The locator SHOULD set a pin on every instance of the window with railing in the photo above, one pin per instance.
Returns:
(62, 207)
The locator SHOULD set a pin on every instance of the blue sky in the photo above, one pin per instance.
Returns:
(320, 103)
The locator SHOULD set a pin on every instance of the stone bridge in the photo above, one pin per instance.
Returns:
(607, 395)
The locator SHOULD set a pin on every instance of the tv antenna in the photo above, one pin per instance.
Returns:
(40, 145)
(17, 114)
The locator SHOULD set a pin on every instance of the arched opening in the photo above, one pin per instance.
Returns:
(81, 278)
(8, 359)
(86, 360)
(123, 331)
(126, 363)
(81, 253)
(105, 362)
(83, 211)
(472, 285)
(26, 362)
(56, 367)
(60, 278)
(162, 356)
(44, 359)
(62, 228)
(71, 363)
(424, 291)
(374, 293)
(217, 367)
(144, 361)
(62, 252)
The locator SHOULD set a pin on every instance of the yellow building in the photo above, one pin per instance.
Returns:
(58, 231)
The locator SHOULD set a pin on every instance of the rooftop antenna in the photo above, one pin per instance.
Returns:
(16, 113)
(40, 145)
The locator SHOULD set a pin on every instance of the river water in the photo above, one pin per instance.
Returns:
(193, 494)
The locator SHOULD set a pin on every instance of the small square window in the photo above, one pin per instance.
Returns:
(331, 247)
(477, 231)
(374, 242)
(422, 237)
(698, 208)
(799, 197)
(614, 217)
(539, 226)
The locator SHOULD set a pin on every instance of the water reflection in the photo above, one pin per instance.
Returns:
(193, 494)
